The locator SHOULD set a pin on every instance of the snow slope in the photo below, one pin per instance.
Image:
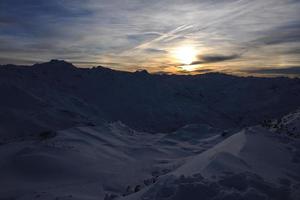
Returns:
(56, 95)
(288, 125)
(113, 161)
(89, 162)
(63, 135)
(254, 163)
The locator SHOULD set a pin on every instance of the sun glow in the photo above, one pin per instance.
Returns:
(189, 67)
(186, 54)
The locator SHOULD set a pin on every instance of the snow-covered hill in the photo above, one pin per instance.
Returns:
(89, 162)
(57, 95)
(113, 161)
(288, 125)
(254, 163)
(71, 133)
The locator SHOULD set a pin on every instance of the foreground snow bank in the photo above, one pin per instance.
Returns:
(252, 164)
(91, 162)
(113, 161)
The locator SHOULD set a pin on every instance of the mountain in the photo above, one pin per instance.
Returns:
(113, 161)
(69, 133)
(255, 163)
(57, 95)
(88, 162)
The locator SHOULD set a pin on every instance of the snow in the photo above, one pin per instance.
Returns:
(289, 124)
(70, 133)
(98, 161)
(57, 95)
(228, 149)
(90, 161)
(254, 163)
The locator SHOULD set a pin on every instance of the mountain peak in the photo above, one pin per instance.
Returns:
(55, 64)
(56, 61)
(142, 71)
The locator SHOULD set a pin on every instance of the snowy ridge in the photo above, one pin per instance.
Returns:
(268, 169)
(288, 125)
(231, 146)
(89, 162)
(252, 164)
(57, 95)
(113, 161)
(68, 133)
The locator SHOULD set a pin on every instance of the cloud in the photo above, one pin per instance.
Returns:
(205, 59)
(288, 33)
(292, 51)
(162, 73)
(155, 51)
(295, 70)
(197, 71)
(137, 33)
(203, 70)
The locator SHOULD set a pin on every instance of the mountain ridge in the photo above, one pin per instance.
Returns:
(156, 103)
(57, 63)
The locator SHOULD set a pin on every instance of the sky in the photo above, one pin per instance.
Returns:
(257, 37)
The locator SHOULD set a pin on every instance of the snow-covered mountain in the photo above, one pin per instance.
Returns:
(56, 95)
(113, 161)
(255, 163)
(85, 134)
(89, 162)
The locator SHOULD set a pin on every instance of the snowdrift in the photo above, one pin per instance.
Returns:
(255, 163)
(89, 162)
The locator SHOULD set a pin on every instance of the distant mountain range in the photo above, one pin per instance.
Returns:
(57, 95)
(73, 133)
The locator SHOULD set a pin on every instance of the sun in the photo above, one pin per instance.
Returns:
(189, 68)
(185, 54)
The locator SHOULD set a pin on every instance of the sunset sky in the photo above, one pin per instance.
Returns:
(257, 37)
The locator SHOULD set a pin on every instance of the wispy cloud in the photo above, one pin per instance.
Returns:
(205, 59)
(295, 70)
(131, 34)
